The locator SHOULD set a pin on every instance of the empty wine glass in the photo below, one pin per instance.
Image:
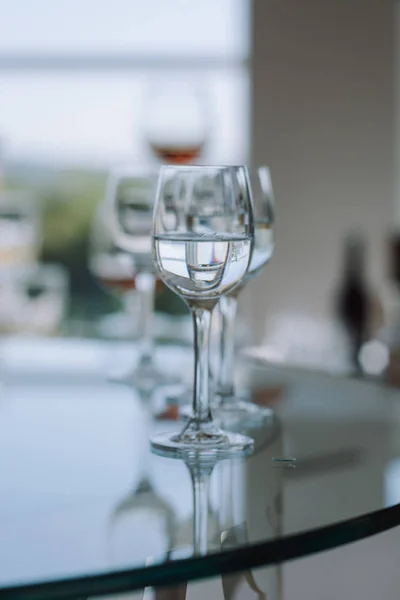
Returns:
(202, 244)
(230, 405)
(113, 269)
(129, 205)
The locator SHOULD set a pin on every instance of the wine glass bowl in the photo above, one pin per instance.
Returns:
(231, 407)
(130, 196)
(175, 122)
(202, 245)
(129, 203)
(264, 217)
(113, 268)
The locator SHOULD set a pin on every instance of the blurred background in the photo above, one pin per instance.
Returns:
(309, 88)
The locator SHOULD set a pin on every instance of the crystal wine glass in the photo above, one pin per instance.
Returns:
(230, 405)
(202, 244)
(129, 204)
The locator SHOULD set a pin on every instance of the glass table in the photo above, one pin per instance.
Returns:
(87, 511)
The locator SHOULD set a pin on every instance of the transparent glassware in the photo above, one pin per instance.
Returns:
(113, 269)
(185, 529)
(143, 508)
(175, 121)
(231, 406)
(129, 204)
(202, 244)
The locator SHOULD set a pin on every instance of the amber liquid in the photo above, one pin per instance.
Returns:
(122, 284)
(177, 155)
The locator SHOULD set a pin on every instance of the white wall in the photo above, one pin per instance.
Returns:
(323, 119)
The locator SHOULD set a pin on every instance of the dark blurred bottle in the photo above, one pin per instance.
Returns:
(390, 298)
(353, 302)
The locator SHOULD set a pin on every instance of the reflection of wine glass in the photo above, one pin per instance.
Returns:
(184, 531)
(142, 514)
(230, 405)
(175, 122)
(200, 466)
(129, 207)
(203, 236)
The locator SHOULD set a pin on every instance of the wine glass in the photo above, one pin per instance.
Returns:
(202, 243)
(230, 405)
(176, 123)
(111, 267)
(129, 205)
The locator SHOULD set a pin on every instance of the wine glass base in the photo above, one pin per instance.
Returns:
(206, 440)
(232, 408)
(144, 377)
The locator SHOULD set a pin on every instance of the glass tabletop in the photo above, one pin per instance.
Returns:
(86, 508)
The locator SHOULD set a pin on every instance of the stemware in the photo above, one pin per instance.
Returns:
(129, 205)
(230, 405)
(202, 244)
(114, 271)
(175, 121)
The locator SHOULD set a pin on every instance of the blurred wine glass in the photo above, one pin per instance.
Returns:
(111, 267)
(176, 122)
(129, 202)
(231, 406)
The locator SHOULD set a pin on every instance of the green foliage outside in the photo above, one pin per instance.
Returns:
(67, 201)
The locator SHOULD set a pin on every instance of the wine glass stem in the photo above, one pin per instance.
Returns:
(201, 392)
(200, 486)
(145, 286)
(227, 306)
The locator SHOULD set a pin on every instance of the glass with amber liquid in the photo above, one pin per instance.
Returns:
(176, 122)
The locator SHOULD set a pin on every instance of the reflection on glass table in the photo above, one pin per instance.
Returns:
(71, 449)
(141, 507)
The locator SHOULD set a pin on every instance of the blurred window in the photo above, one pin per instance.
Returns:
(210, 28)
(74, 76)
(89, 118)
(76, 79)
